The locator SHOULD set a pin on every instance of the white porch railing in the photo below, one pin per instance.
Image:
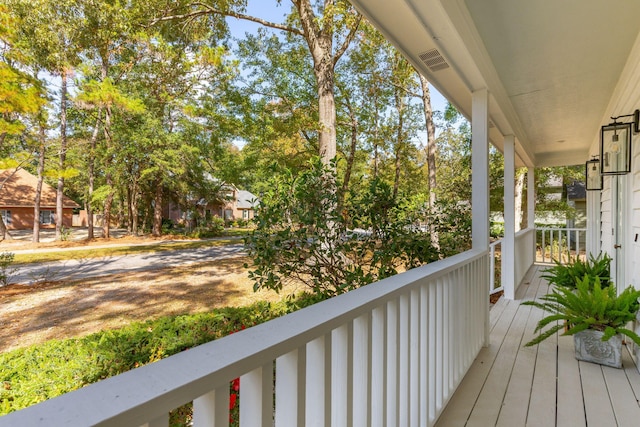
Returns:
(388, 354)
(495, 284)
(525, 252)
(540, 244)
(560, 243)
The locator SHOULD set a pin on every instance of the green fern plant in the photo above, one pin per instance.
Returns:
(567, 275)
(589, 306)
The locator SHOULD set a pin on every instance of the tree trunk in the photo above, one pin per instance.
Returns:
(519, 189)
(157, 211)
(129, 211)
(400, 105)
(4, 233)
(352, 154)
(134, 212)
(431, 157)
(106, 226)
(376, 133)
(121, 207)
(36, 205)
(63, 154)
(108, 203)
(320, 42)
(92, 176)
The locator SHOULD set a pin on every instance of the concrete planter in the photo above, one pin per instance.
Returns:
(590, 348)
(635, 347)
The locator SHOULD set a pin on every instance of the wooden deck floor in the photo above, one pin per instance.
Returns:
(510, 385)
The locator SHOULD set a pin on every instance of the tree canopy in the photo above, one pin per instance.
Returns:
(130, 106)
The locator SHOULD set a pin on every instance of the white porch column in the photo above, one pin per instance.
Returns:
(480, 187)
(508, 257)
(593, 222)
(480, 169)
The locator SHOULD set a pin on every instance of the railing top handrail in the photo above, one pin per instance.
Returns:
(518, 234)
(560, 228)
(169, 383)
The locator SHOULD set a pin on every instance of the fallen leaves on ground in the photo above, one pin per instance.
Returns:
(30, 314)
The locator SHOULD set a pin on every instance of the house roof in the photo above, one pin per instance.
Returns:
(577, 190)
(19, 190)
(555, 71)
(246, 200)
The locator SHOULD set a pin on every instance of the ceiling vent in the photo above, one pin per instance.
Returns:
(433, 60)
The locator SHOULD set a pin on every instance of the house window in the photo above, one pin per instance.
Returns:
(245, 214)
(6, 216)
(47, 217)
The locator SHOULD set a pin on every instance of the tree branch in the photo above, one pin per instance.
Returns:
(208, 10)
(347, 41)
(406, 90)
(309, 24)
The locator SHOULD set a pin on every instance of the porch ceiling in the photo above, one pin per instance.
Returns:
(551, 67)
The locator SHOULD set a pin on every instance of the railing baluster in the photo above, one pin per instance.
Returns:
(439, 350)
(212, 409)
(447, 343)
(424, 355)
(492, 263)
(392, 363)
(403, 361)
(414, 359)
(378, 367)
(361, 385)
(339, 376)
(289, 394)
(316, 405)
(256, 397)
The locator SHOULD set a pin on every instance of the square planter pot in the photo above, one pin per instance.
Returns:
(590, 348)
(635, 346)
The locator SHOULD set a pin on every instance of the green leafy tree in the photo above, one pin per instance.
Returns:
(50, 32)
(280, 119)
(297, 224)
(20, 93)
(327, 28)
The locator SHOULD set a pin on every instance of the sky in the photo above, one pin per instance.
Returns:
(270, 11)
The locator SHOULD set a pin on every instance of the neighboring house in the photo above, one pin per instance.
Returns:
(17, 201)
(577, 199)
(239, 204)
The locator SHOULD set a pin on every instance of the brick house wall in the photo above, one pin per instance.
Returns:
(17, 201)
(22, 218)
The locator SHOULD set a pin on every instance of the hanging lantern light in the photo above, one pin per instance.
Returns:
(615, 145)
(593, 175)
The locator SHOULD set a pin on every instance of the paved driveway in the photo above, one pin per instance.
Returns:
(93, 267)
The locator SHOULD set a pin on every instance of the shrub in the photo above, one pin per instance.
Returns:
(567, 275)
(588, 306)
(167, 225)
(304, 234)
(497, 230)
(33, 374)
(216, 225)
(6, 267)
